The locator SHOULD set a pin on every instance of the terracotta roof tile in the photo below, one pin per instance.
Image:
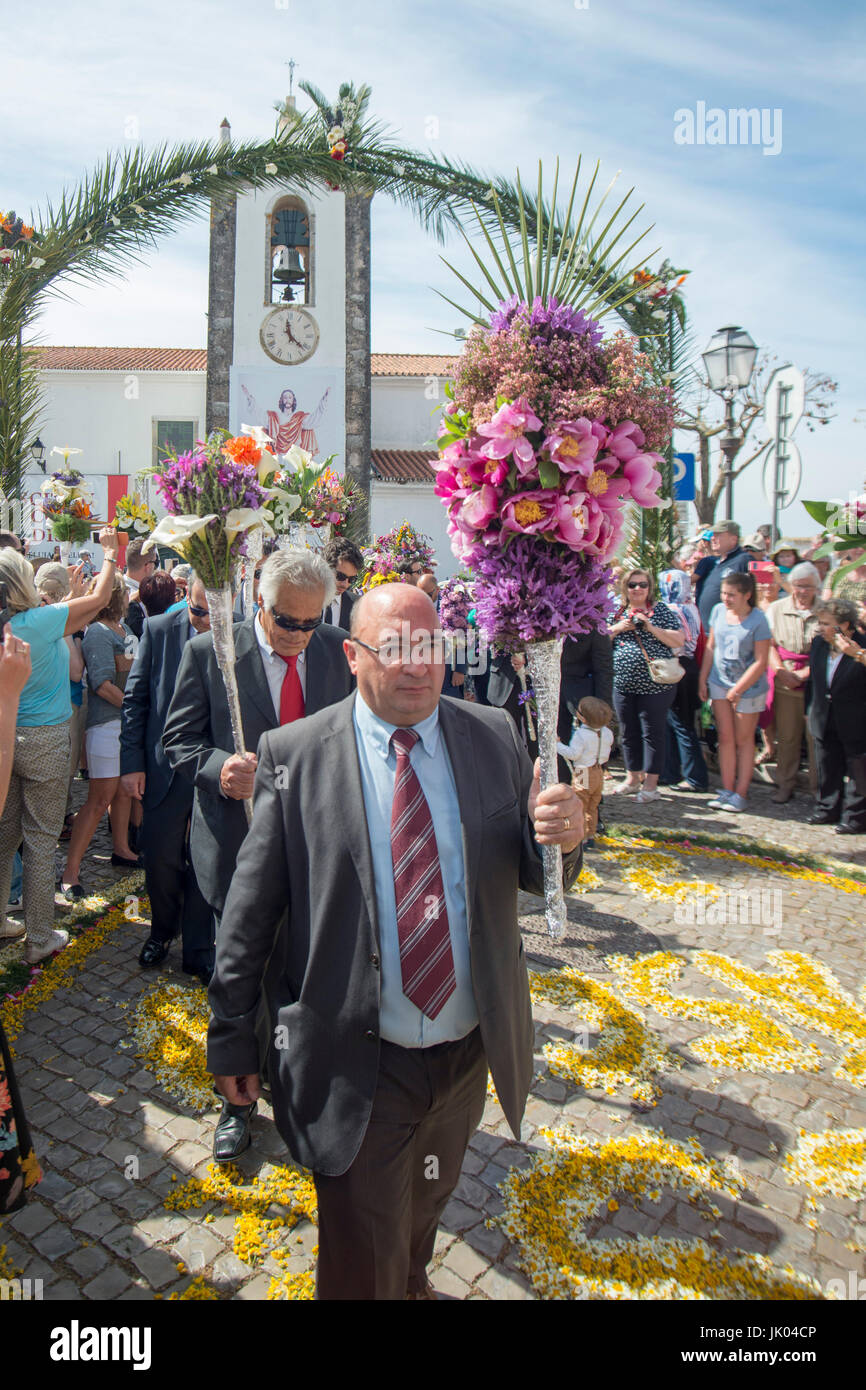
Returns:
(410, 364)
(122, 359)
(141, 359)
(403, 465)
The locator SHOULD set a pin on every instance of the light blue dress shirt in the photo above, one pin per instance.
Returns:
(400, 1021)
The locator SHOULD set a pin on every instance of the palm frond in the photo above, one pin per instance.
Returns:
(578, 272)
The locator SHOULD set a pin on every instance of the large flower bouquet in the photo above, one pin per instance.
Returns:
(331, 501)
(401, 545)
(215, 498)
(456, 601)
(549, 432)
(67, 502)
(133, 517)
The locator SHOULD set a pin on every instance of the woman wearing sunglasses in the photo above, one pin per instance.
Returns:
(642, 630)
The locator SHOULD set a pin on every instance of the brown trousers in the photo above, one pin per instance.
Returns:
(378, 1220)
(588, 783)
(789, 718)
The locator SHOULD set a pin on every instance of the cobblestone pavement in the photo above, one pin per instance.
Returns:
(88, 1231)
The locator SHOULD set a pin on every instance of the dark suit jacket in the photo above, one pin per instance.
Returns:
(198, 736)
(846, 698)
(587, 669)
(304, 896)
(146, 698)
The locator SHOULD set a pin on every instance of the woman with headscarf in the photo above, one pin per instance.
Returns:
(684, 765)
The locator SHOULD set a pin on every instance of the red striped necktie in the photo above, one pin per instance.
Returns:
(426, 962)
(291, 695)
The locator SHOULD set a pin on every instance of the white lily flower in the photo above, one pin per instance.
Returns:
(245, 519)
(37, 262)
(213, 168)
(270, 168)
(297, 458)
(287, 502)
(175, 531)
(185, 180)
(64, 451)
(268, 461)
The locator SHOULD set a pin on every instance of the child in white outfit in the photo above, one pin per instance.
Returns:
(586, 754)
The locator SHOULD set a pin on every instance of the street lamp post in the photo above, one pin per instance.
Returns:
(730, 361)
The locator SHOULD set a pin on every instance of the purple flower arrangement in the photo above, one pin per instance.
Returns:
(456, 601)
(532, 590)
(210, 493)
(548, 433)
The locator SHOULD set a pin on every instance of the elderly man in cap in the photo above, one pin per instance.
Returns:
(730, 559)
(380, 877)
(289, 665)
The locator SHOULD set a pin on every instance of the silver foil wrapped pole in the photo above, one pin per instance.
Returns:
(219, 602)
(65, 547)
(255, 542)
(543, 660)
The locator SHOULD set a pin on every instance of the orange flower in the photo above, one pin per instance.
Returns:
(243, 450)
(26, 231)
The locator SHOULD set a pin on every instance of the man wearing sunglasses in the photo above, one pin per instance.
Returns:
(346, 560)
(176, 902)
(381, 874)
(288, 665)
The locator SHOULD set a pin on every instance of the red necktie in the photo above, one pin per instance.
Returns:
(291, 694)
(426, 962)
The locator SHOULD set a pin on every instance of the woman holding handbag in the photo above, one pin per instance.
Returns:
(734, 676)
(645, 634)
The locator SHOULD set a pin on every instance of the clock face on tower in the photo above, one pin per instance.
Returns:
(289, 334)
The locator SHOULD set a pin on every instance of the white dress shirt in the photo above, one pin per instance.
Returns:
(275, 666)
(331, 611)
(832, 662)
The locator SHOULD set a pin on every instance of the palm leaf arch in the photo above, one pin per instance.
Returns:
(123, 206)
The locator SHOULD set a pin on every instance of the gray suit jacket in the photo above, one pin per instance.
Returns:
(303, 899)
(198, 737)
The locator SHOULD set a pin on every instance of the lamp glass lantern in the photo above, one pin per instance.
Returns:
(37, 453)
(730, 359)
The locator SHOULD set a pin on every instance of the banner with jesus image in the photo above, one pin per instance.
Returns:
(294, 406)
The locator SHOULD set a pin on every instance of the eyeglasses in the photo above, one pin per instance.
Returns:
(425, 649)
(292, 625)
(198, 612)
(346, 578)
(637, 584)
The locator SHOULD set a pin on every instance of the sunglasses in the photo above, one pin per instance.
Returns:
(346, 578)
(637, 584)
(198, 612)
(292, 625)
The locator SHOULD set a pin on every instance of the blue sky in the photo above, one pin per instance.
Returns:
(773, 242)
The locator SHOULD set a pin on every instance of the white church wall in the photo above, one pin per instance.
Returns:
(405, 411)
(111, 415)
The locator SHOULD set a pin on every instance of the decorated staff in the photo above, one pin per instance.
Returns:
(214, 497)
(548, 433)
(66, 502)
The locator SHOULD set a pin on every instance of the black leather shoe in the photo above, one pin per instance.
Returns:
(232, 1135)
(154, 952)
(821, 818)
(843, 829)
(119, 862)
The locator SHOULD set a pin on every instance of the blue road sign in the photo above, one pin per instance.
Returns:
(684, 477)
